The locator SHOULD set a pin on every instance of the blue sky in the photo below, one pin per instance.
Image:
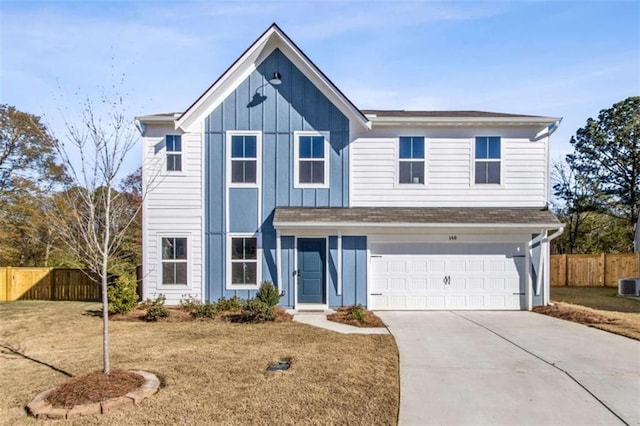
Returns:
(563, 58)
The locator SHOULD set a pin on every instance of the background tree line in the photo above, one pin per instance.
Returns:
(39, 197)
(597, 187)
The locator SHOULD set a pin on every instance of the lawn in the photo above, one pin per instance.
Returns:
(212, 372)
(598, 307)
(602, 298)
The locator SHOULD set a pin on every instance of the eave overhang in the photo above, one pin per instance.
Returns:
(415, 218)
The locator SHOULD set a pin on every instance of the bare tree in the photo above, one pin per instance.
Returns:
(92, 215)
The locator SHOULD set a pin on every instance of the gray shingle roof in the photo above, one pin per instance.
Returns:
(416, 215)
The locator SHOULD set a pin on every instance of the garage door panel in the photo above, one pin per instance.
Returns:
(447, 276)
(475, 266)
(475, 283)
(436, 266)
(457, 265)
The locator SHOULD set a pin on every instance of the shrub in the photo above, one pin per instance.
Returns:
(356, 312)
(255, 310)
(205, 310)
(189, 303)
(122, 296)
(232, 304)
(156, 309)
(268, 294)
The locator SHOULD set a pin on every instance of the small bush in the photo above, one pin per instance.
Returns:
(255, 310)
(268, 294)
(205, 310)
(156, 309)
(189, 303)
(232, 304)
(356, 312)
(122, 296)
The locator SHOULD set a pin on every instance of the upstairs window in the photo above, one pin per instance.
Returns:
(174, 153)
(174, 261)
(487, 160)
(411, 159)
(244, 261)
(244, 159)
(311, 167)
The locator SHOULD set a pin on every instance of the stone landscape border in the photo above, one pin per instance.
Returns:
(42, 409)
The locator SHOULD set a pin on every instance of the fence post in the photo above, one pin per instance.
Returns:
(565, 269)
(603, 277)
(4, 287)
(9, 285)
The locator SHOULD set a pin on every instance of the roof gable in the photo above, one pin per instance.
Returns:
(273, 38)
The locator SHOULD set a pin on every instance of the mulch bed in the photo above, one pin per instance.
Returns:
(342, 316)
(94, 387)
(178, 314)
(573, 314)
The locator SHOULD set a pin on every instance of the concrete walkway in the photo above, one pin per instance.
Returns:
(512, 368)
(319, 319)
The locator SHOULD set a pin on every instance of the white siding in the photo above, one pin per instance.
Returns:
(449, 169)
(173, 207)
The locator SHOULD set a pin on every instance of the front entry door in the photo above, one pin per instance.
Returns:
(311, 270)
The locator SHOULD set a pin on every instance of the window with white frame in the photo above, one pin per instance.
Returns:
(174, 260)
(244, 261)
(244, 159)
(311, 160)
(173, 144)
(411, 159)
(487, 160)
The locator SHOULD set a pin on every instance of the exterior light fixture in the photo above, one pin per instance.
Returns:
(276, 81)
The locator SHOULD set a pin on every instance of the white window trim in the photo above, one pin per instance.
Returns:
(396, 182)
(487, 160)
(296, 159)
(258, 136)
(229, 261)
(183, 163)
(186, 286)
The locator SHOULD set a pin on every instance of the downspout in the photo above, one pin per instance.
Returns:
(541, 271)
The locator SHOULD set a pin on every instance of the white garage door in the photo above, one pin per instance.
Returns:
(447, 276)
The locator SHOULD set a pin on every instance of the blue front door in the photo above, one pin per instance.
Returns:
(311, 270)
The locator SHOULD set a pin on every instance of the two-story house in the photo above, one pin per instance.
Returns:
(272, 174)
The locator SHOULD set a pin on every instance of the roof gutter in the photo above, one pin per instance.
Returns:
(462, 121)
(548, 131)
(140, 126)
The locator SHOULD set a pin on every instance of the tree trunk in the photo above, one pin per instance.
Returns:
(105, 301)
(47, 248)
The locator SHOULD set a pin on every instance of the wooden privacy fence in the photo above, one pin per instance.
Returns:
(593, 270)
(46, 284)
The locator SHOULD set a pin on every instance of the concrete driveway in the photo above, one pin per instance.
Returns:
(512, 368)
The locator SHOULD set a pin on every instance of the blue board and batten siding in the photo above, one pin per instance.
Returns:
(277, 112)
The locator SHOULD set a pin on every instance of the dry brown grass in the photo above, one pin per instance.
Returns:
(623, 323)
(212, 372)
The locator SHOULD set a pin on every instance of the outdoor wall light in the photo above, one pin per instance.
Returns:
(276, 81)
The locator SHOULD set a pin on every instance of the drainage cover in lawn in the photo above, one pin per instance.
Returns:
(281, 365)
